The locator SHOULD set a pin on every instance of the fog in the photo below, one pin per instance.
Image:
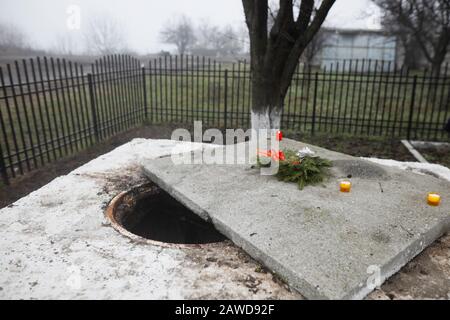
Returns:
(45, 21)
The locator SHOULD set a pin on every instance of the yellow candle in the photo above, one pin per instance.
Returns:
(434, 199)
(345, 186)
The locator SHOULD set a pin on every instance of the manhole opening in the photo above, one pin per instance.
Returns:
(151, 213)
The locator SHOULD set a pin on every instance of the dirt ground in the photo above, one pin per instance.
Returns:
(358, 146)
(23, 185)
(440, 155)
(426, 277)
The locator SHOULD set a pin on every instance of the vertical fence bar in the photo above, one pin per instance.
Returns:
(144, 83)
(192, 88)
(238, 102)
(156, 88)
(171, 107)
(316, 82)
(330, 86)
(92, 100)
(293, 116)
(308, 89)
(161, 111)
(150, 81)
(372, 98)
(249, 96)
(411, 110)
(197, 91)
(225, 102)
(3, 167)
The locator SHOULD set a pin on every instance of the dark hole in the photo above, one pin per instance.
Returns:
(152, 213)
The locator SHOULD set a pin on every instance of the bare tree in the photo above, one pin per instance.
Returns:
(206, 37)
(314, 48)
(218, 41)
(229, 41)
(179, 33)
(105, 35)
(422, 23)
(66, 44)
(275, 53)
(12, 38)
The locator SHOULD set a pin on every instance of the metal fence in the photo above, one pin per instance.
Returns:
(364, 97)
(50, 108)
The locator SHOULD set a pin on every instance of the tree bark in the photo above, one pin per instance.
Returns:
(275, 54)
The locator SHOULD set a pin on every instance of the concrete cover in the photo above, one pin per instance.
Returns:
(56, 243)
(324, 243)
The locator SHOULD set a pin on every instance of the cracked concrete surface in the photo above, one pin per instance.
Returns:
(324, 243)
(56, 244)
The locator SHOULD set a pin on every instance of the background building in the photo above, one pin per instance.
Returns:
(356, 44)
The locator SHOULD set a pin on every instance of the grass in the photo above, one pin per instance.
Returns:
(342, 102)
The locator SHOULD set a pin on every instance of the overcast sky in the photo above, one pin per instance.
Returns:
(45, 20)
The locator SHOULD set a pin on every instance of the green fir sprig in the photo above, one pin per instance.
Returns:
(308, 170)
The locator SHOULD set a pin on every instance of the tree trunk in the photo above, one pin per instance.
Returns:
(275, 54)
(267, 103)
(436, 66)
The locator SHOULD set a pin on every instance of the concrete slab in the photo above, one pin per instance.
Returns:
(56, 243)
(324, 243)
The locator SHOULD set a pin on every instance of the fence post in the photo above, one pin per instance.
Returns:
(145, 92)
(3, 168)
(413, 95)
(316, 80)
(225, 112)
(94, 112)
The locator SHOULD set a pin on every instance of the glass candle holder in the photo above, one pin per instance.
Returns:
(345, 186)
(433, 199)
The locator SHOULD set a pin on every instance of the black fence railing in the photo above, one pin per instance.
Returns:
(50, 108)
(364, 97)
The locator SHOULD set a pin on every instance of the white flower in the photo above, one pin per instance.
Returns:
(305, 152)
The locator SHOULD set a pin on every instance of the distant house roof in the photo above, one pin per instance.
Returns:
(354, 31)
